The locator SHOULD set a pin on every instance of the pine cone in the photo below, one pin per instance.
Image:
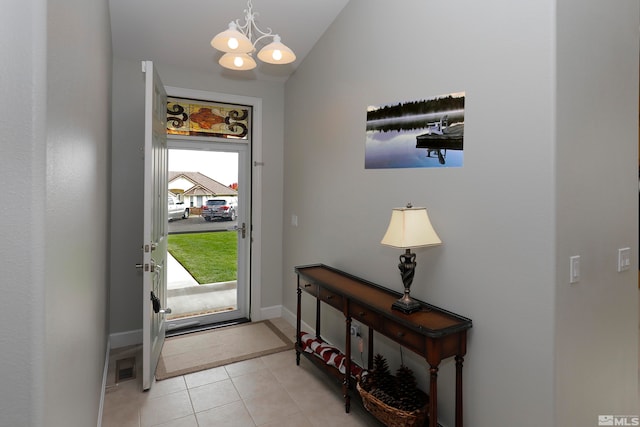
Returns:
(366, 381)
(381, 377)
(384, 397)
(406, 390)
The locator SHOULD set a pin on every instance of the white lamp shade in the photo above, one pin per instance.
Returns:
(232, 40)
(410, 228)
(276, 53)
(237, 61)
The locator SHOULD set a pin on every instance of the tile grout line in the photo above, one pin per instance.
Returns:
(253, 420)
(195, 415)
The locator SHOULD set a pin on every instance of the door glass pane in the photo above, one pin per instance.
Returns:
(203, 248)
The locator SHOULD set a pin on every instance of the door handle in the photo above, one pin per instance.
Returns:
(242, 230)
(144, 267)
(155, 267)
(150, 247)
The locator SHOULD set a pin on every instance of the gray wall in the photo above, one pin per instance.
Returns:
(535, 188)
(22, 162)
(128, 136)
(54, 132)
(596, 153)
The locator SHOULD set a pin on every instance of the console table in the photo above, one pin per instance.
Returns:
(431, 332)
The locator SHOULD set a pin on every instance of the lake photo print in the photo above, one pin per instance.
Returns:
(426, 133)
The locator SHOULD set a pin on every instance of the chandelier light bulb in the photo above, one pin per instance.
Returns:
(237, 61)
(276, 52)
(232, 40)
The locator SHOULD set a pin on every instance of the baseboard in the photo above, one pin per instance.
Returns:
(270, 312)
(104, 382)
(290, 317)
(124, 339)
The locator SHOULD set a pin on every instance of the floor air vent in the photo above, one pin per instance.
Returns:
(125, 369)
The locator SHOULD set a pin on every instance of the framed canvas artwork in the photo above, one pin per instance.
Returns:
(416, 134)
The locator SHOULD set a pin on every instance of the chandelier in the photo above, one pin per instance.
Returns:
(238, 44)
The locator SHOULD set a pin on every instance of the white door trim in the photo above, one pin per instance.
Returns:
(255, 256)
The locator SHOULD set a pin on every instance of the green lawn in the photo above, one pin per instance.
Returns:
(209, 257)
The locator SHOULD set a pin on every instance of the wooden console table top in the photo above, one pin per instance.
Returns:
(431, 321)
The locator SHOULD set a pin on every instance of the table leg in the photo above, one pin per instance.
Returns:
(298, 313)
(370, 350)
(459, 361)
(318, 333)
(433, 396)
(347, 366)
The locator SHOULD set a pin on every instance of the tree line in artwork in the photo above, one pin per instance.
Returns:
(414, 108)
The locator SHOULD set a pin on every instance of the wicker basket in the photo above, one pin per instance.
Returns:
(390, 416)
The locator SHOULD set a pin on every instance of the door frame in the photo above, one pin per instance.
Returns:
(255, 172)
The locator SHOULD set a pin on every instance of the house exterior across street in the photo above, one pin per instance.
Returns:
(195, 188)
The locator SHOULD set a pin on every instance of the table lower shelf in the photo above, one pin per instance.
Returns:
(329, 366)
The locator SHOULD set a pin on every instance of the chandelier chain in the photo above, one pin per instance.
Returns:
(250, 24)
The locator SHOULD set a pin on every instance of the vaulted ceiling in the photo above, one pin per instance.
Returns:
(179, 32)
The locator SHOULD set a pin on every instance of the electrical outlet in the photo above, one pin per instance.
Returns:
(355, 329)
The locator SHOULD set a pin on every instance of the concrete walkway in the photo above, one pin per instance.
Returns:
(185, 296)
(177, 276)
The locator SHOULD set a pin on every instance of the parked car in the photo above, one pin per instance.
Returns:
(220, 208)
(177, 209)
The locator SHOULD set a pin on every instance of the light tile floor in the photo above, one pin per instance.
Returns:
(270, 391)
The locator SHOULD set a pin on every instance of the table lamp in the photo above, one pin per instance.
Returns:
(409, 228)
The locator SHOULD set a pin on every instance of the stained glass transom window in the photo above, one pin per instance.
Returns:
(202, 118)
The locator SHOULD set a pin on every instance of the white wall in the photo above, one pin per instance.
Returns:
(502, 260)
(54, 129)
(128, 134)
(597, 212)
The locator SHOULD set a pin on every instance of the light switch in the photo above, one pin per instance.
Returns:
(294, 220)
(574, 269)
(624, 259)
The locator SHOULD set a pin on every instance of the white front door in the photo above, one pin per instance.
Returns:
(155, 227)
